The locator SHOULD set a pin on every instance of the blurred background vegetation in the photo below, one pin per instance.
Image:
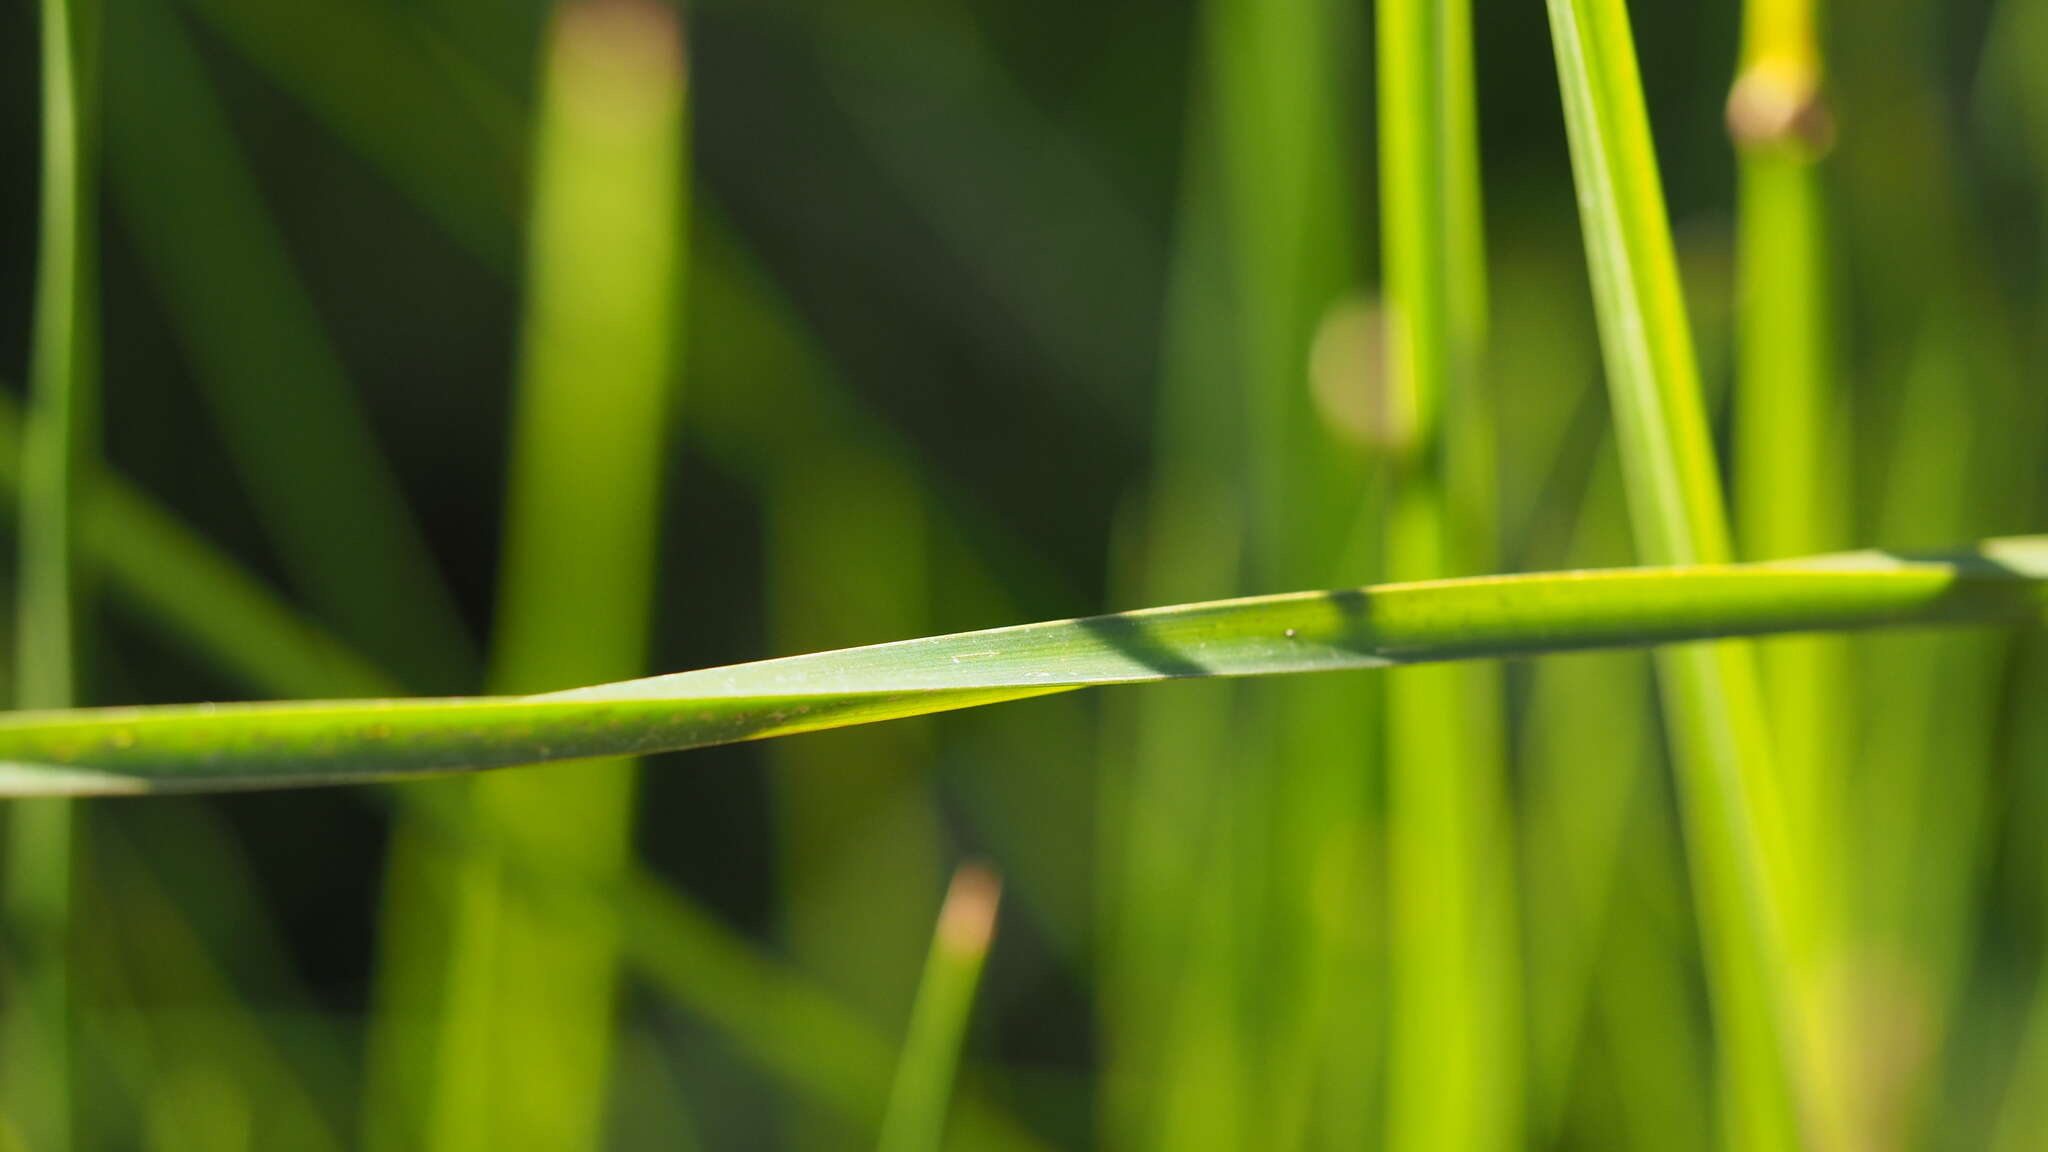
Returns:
(943, 314)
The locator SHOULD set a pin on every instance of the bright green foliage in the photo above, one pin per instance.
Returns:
(577, 590)
(1453, 942)
(988, 301)
(212, 747)
(1737, 838)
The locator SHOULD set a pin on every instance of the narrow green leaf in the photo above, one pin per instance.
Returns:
(1454, 1044)
(923, 1093)
(1792, 437)
(36, 903)
(249, 746)
(575, 601)
(175, 581)
(1752, 919)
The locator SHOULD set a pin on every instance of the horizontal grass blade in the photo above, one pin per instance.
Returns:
(258, 746)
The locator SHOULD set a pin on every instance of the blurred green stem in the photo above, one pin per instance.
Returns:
(923, 1092)
(528, 1014)
(1454, 1044)
(57, 440)
(1792, 447)
(1279, 939)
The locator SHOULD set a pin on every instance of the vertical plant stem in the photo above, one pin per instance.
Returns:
(1283, 929)
(57, 438)
(1790, 436)
(1453, 1040)
(923, 1091)
(1751, 918)
(1792, 446)
(528, 1011)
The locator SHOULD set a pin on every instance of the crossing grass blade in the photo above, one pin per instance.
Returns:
(1753, 923)
(270, 745)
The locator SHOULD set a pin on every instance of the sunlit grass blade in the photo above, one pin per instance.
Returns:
(214, 747)
(1754, 923)
(923, 1092)
(576, 596)
(1454, 1042)
(36, 1056)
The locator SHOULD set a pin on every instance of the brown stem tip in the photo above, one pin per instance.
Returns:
(1778, 108)
(967, 919)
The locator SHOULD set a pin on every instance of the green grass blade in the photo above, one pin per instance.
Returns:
(213, 747)
(57, 434)
(1667, 456)
(1790, 433)
(923, 1092)
(36, 902)
(577, 592)
(1454, 1040)
(1748, 900)
(1791, 443)
(193, 593)
(1791, 438)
